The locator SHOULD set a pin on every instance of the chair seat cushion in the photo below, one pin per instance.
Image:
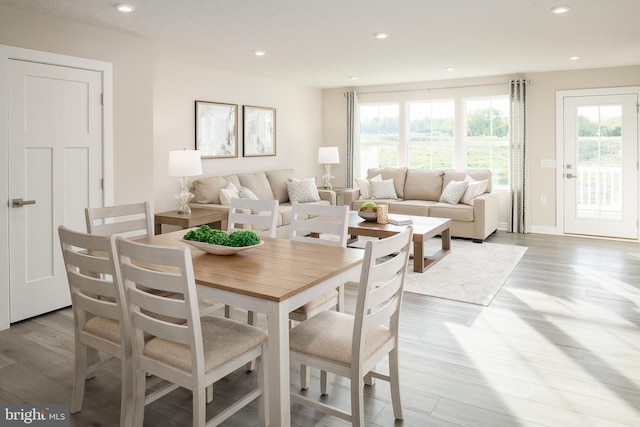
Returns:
(333, 294)
(329, 335)
(102, 327)
(224, 339)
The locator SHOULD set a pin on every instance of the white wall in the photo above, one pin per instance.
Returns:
(541, 115)
(177, 85)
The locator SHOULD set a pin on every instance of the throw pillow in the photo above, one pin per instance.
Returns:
(383, 189)
(228, 193)
(245, 193)
(474, 189)
(303, 191)
(365, 188)
(453, 192)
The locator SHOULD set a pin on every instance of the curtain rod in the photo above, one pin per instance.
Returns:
(437, 88)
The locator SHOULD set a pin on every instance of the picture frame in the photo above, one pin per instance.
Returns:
(216, 129)
(259, 131)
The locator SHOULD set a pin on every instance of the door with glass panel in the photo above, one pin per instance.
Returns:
(600, 165)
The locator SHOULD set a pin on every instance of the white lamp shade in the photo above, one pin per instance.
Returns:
(185, 163)
(328, 156)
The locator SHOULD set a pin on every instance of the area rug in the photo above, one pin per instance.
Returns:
(472, 272)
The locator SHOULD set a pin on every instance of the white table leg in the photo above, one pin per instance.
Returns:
(278, 364)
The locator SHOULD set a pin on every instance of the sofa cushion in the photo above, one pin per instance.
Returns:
(478, 175)
(411, 207)
(207, 190)
(383, 189)
(457, 212)
(453, 192)
(398, 175)
(229, 192)
(423, 184)
(278, 182)
(258, 183)
(303, 191)
(474, 189)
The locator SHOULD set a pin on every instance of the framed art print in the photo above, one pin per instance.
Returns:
(259, 131)
(216, 129)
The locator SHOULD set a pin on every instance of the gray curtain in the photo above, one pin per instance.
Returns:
(353, 146)
(520, 220)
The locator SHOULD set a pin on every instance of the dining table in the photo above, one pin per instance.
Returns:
(273, 278)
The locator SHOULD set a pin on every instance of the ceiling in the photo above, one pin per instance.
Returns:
(322, 43)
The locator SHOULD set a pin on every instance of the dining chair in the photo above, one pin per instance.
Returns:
(260, 216)
(352, 345)
(324, 225)
(194, 353)
(98, 312)
(132, 220)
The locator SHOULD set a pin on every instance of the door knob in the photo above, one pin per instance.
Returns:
(570, 175)
(18, 203)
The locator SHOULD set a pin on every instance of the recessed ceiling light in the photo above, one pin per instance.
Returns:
(259, 53)
(380, 35)
(353, 78)
(574, 58)
(125, 8)
(559, 10)
(450, 69)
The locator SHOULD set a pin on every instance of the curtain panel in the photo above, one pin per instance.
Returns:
(353, 146)
(520, 218)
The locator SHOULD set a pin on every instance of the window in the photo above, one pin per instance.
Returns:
(379, 135)
(487, 136)
(431, 134)
(467, 130)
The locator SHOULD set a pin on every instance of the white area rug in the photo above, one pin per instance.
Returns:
(472, 272)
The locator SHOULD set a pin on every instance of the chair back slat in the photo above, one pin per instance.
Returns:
(160, 305)
(155, 327)
(132, 220)
(321, 224)
(152, 277)
(260, 216)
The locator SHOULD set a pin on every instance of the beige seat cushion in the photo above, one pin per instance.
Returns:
(223, 340)
(459, 212)
(102, 327)
(317, 302)
(329, 335)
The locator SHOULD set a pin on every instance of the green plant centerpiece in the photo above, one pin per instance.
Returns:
(236, 239)
(368, 211)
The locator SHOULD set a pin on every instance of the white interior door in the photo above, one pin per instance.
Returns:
(55, 171)
(600, 175)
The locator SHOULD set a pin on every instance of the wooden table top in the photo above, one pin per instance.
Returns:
(274, 271)
(421, 225)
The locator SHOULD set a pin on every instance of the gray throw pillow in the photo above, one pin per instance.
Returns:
(453, 192)
(383, 189)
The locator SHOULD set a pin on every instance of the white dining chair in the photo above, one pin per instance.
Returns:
(131, 220)
(192, 354)
(323, 225)
(352, 345)
(98, 312)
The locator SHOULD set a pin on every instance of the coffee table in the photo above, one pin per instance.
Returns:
(424, 228)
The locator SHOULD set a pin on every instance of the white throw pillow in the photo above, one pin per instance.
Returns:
(453, 192)
(303, 191)
(365, 187)
(383, 189)
(228, 193)
(474, 189)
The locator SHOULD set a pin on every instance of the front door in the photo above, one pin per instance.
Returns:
(55, 171)
(600, 175)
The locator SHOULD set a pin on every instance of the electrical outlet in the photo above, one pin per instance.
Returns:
(543, 200)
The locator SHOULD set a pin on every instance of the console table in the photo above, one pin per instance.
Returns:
(196, 218)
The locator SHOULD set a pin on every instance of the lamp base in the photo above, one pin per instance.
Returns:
(327, 177)
(185, 196)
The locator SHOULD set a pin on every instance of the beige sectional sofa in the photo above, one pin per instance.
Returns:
(418, 192)
(265, 185)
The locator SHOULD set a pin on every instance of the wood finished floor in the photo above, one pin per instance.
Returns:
(558, 346)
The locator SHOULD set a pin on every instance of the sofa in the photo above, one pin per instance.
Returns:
(420, 192)
(264, 186)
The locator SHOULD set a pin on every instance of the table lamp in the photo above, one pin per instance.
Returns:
(328, 156)
(183, 164)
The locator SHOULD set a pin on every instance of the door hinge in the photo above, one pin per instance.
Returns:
(102, 184)
(102, 99)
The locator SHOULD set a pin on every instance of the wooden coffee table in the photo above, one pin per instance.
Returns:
(424, 228)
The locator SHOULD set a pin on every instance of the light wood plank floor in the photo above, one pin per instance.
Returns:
(558, 346)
